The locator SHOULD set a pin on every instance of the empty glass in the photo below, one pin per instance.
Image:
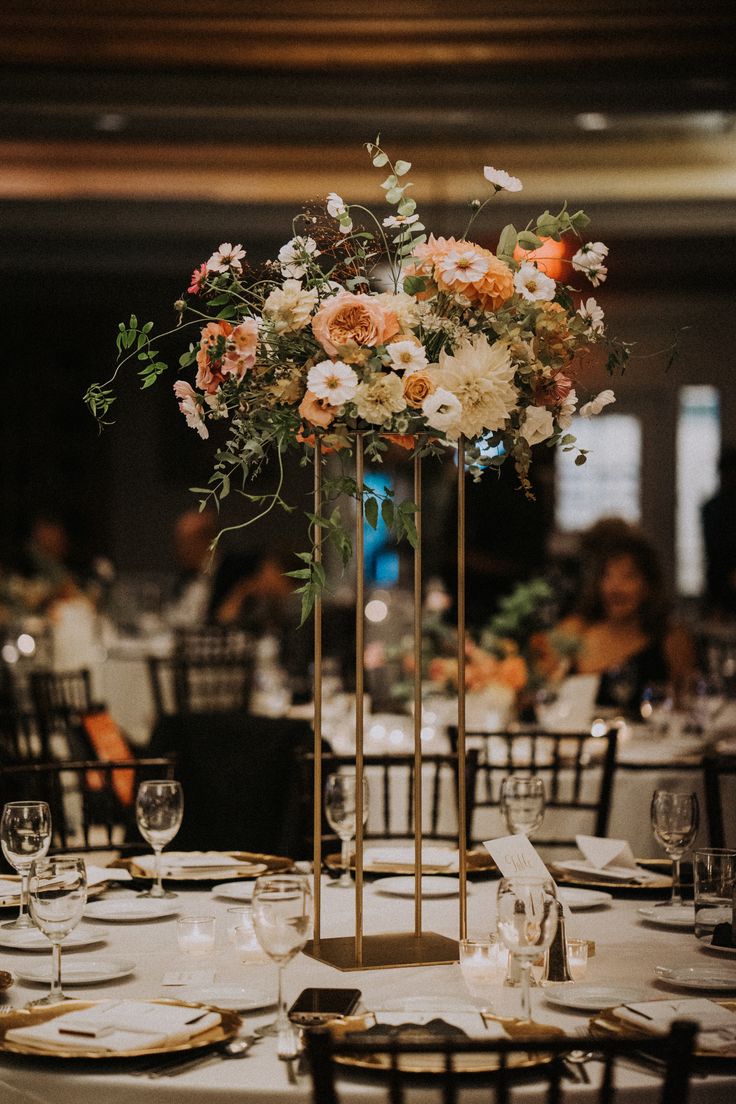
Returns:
(714, 871)
(340, 810)
(282, 915)
(526, 921)
(25, 835)
(675, 819)
(522, 803)
(57, 894)
(159, 809)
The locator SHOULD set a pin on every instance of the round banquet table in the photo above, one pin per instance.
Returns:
(627, 950)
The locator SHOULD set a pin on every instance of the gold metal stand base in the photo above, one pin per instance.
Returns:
(388, 949)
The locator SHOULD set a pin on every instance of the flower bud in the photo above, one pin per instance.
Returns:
(180, 305)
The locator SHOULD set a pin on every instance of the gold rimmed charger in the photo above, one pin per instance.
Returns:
(434, 1063)
(226, 1029)
(659, 867)
(606, 1024)
(254, 865)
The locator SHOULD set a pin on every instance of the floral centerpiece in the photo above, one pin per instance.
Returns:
(373, 324)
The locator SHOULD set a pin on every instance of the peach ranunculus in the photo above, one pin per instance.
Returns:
(348, 323)
(316, 411)
(417, 387)
(211, 355)
(493, 285)
(242, 345)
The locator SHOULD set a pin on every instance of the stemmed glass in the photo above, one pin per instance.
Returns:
(675, 818)
(159, 809)
(57, 896)
(282, 914)
(526, 921)
(340, 809)
(522, 803)
(25, 835)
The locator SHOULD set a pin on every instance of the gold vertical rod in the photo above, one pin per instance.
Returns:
(359, 690)
(461, 804)
(418, 700)
(317, 824)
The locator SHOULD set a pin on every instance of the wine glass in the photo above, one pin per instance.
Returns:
(526, 921)
(159, 809)
(522, 803)
(25, 835)
(282, 913)
(675, 818)
(57, 894)
(340, 809)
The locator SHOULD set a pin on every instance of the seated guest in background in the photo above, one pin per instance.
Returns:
(53, 567)
(193, 535)
(719, 536)
(621, 625)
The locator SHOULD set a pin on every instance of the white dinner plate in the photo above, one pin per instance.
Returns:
(718, 950)
(580, 899)
(31, 939)
(698, 977)
(234, 891)
(669, 916)
(236, 998)
(129, 909)
(78, 971)
(592, 998)
(403, 886)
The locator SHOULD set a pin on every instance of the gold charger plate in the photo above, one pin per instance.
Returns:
(14, 902)
(606, 1024)
(433, 1064)
(479, 862)
(655, 866)
(25, 1017)
(258, 864)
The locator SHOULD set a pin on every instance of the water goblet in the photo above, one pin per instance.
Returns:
(25, 835)
(526, 921)
(522, 803)
(159, 809)
(675, 819)
(282, 914)
(57, 895)
(340, 809)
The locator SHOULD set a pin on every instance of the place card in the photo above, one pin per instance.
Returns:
(188, 977)
(515, 855)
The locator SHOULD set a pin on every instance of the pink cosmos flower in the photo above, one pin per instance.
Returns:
(189, 404)
(198, 278)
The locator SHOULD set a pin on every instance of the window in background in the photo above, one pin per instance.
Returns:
(381, 556)
(608, 484)
(698, 449)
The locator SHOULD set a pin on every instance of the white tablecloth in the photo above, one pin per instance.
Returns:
(626, 952)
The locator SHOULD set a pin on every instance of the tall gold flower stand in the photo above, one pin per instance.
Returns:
(416, 947)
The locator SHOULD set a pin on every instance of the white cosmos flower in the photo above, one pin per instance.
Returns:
(463, 267)
(226, 257)
(337, 209)
(604, 398)
(381, 396)
(292, 256)
(481, 376)
(589, 260)
(399, 221)
(502, 180)
(592, 314)
(567, 409)
(533, 285)
(190, 407)
(332, 380)
(537, 425)
(407, 355)
(442, 411)
(290, 306)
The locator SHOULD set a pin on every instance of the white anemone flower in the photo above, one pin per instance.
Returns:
(604, 398)
(332, 380)
(407, 356)
(590, 261)
(227, 257)
(463, 267)
(293, 256)
(380, 397)
(481, 376)
(442, 410)
(592, 315)
(537, 425)
(533, 285)
(502, 180)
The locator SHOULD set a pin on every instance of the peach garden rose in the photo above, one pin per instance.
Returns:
(348, 319)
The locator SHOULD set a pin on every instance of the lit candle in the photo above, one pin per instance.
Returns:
(483, 963)
(577, 958)
(196, 935)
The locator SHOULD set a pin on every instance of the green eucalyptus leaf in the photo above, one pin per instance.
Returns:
(402, 167)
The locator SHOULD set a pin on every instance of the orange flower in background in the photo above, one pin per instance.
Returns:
(211, 354)
(449, 262)
(512, 671)
(402, 440)
(348, 320)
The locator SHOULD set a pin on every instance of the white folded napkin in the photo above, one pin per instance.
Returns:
(96, 875)
(717, 1024)
(116, 1026)
(174, 865)
(404, 856)
(472, 1023)
(9, 889)
(610, 859)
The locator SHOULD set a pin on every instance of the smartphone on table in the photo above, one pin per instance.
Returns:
(316, 1006)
